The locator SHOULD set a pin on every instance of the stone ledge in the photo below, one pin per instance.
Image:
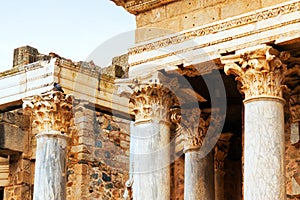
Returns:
(135, 7)
(12, 139)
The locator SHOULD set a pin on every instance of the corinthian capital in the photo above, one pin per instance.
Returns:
(192, 126)
(153, 101)
(259, 70)
(50, 111)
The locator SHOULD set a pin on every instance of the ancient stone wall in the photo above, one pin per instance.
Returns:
(99, 155)
(98, 158)
(26, 55)
(15, 146)
(185, 14)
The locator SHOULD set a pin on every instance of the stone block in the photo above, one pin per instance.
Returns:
(237, 7)
(81, 169)
(79, 149)
(8, 117)
(169, 26)
(84, 118)
(200, 17)
(122, 159)
(11, 138)
(181, 7)
(85, 132)
(86, 140)
(147, 33)
(163, 28)
(152, 16)
(266, 3)
(209, 3)
(124, 144)
(85, 157)
(85, 125)
(23, 121)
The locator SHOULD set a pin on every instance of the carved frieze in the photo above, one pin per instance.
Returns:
(50, 111)
(260, 71)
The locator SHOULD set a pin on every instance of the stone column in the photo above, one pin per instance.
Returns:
(221, 151)
(260, 72)
(51, 115)
(150, 138)
(198, 167)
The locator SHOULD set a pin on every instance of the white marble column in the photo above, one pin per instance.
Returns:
(198, 166)
(261, 74)
(150, 140)
(51, 116)
(50, 166)
(198, 176)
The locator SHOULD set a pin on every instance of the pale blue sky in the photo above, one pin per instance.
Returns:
(71, 28)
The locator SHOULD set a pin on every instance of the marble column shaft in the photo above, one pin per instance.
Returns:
(264, 167)
(198, 167)
(198, 176)
(50, 166)
(151, 160)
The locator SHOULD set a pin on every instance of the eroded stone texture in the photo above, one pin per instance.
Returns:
(151, 159)
(199, 176)
(99, 155)
(264, 132)
(50, 166)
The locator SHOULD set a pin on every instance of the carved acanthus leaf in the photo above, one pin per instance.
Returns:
(260, 72)
(50, 111)
(152, 101)
(192, 126)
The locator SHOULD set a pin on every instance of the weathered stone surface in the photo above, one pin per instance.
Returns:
(12, 138)
(264, 173)
(199, 184)
(50, 167)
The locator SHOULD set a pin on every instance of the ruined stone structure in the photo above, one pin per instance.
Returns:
(204, 107)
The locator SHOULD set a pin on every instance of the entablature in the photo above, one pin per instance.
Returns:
(84, 83)
(274, 25)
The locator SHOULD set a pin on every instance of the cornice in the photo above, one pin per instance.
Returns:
(136, 7)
